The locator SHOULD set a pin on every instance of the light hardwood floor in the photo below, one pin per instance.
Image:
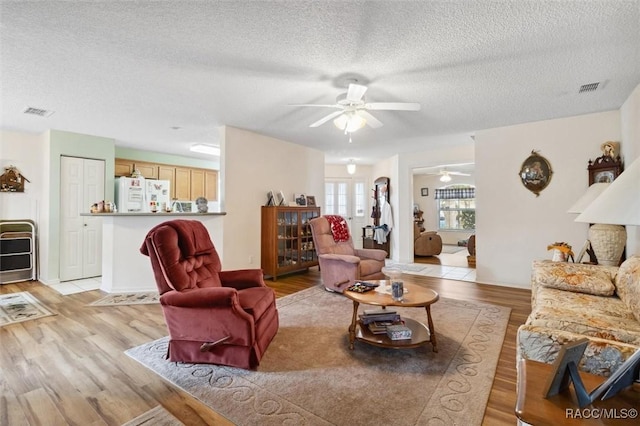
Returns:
(71, 368)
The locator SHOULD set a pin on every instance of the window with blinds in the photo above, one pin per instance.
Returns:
(456, 208)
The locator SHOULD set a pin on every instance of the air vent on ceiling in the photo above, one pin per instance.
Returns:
(37, 111)
(589, 87)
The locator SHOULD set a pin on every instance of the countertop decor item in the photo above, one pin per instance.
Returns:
(202, 204)
(535, 173)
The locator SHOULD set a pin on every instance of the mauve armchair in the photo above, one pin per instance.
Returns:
(340, 263)
(213, 316)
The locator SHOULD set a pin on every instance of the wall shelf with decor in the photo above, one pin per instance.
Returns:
(286, 243)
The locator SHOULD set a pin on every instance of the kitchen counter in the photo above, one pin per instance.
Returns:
(165, 214)
(124, 268)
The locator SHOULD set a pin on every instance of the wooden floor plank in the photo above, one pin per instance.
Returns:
(88, 367)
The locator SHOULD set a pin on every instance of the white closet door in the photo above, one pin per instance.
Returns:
(93, 191)
(81, 184)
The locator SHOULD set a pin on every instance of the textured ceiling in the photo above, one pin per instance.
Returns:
(133, 71)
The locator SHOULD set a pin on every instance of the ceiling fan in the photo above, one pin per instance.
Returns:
(445, 175)
(353, 111)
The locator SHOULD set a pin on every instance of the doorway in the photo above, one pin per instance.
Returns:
(81, 184)
(444, 202)
(347, 197)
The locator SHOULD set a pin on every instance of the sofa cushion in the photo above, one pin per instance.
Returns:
(574, 277)
(572, 301)
(588, 323)
(628, 284)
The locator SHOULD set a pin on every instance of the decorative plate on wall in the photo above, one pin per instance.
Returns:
(535, 173)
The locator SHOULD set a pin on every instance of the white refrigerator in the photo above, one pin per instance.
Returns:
(130, 195)
(158, 195)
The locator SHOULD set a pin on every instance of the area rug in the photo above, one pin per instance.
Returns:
(22, 306)
(157, 416)
(144, 298)
(309, 376)
(449, 249)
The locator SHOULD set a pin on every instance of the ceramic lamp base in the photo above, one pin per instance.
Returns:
(608, 242)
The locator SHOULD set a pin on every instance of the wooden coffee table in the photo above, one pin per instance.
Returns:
(414, 297)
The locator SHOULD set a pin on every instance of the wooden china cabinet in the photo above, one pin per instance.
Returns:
(287, 244)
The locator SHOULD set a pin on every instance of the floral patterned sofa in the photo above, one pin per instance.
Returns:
(571, 301)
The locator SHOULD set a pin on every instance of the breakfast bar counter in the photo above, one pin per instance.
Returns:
(124, 268)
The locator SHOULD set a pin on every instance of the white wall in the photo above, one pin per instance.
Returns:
(514, 226)
(630, 147)
(253, 164)
(24, 151)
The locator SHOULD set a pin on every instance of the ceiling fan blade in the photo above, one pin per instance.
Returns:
(315, 105)
(356, 92)
(326, 118)
(393, 106)
(459, 174)
(371, 120)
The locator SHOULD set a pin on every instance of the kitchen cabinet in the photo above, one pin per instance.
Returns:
(211, 185)
(123, 167)
(197, 183)
(187, 183)
(183, 183)
(148, 170)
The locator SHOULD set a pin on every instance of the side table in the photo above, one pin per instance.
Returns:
(562, 409)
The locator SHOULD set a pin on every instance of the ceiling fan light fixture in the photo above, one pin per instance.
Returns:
(205, 149)
(445, 177)
(349, 122)
(351, 167)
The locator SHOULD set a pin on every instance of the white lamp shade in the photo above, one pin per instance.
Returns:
(587, 198)
(619, 204)
(349, 122)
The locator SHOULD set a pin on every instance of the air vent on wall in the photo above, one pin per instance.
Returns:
(37, 111)
(589, 87)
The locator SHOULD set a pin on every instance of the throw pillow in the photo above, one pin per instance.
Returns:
(574, 277)
(628, 284)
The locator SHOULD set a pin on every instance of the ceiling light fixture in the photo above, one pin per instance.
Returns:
(205, 149)
(351, 167)
(349, 122)
(445, 177)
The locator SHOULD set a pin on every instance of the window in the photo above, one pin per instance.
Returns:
(359, 199)
(336, 198)
(456, 208)
(339, 201)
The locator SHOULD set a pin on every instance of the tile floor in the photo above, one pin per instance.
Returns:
(77, 286)
(448, 272)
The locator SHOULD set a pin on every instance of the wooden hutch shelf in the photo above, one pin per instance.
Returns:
(286, 243)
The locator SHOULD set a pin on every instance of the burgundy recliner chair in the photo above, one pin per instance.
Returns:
(213, 316)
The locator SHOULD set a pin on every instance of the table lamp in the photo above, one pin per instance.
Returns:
(579, 206)
(616, 206)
